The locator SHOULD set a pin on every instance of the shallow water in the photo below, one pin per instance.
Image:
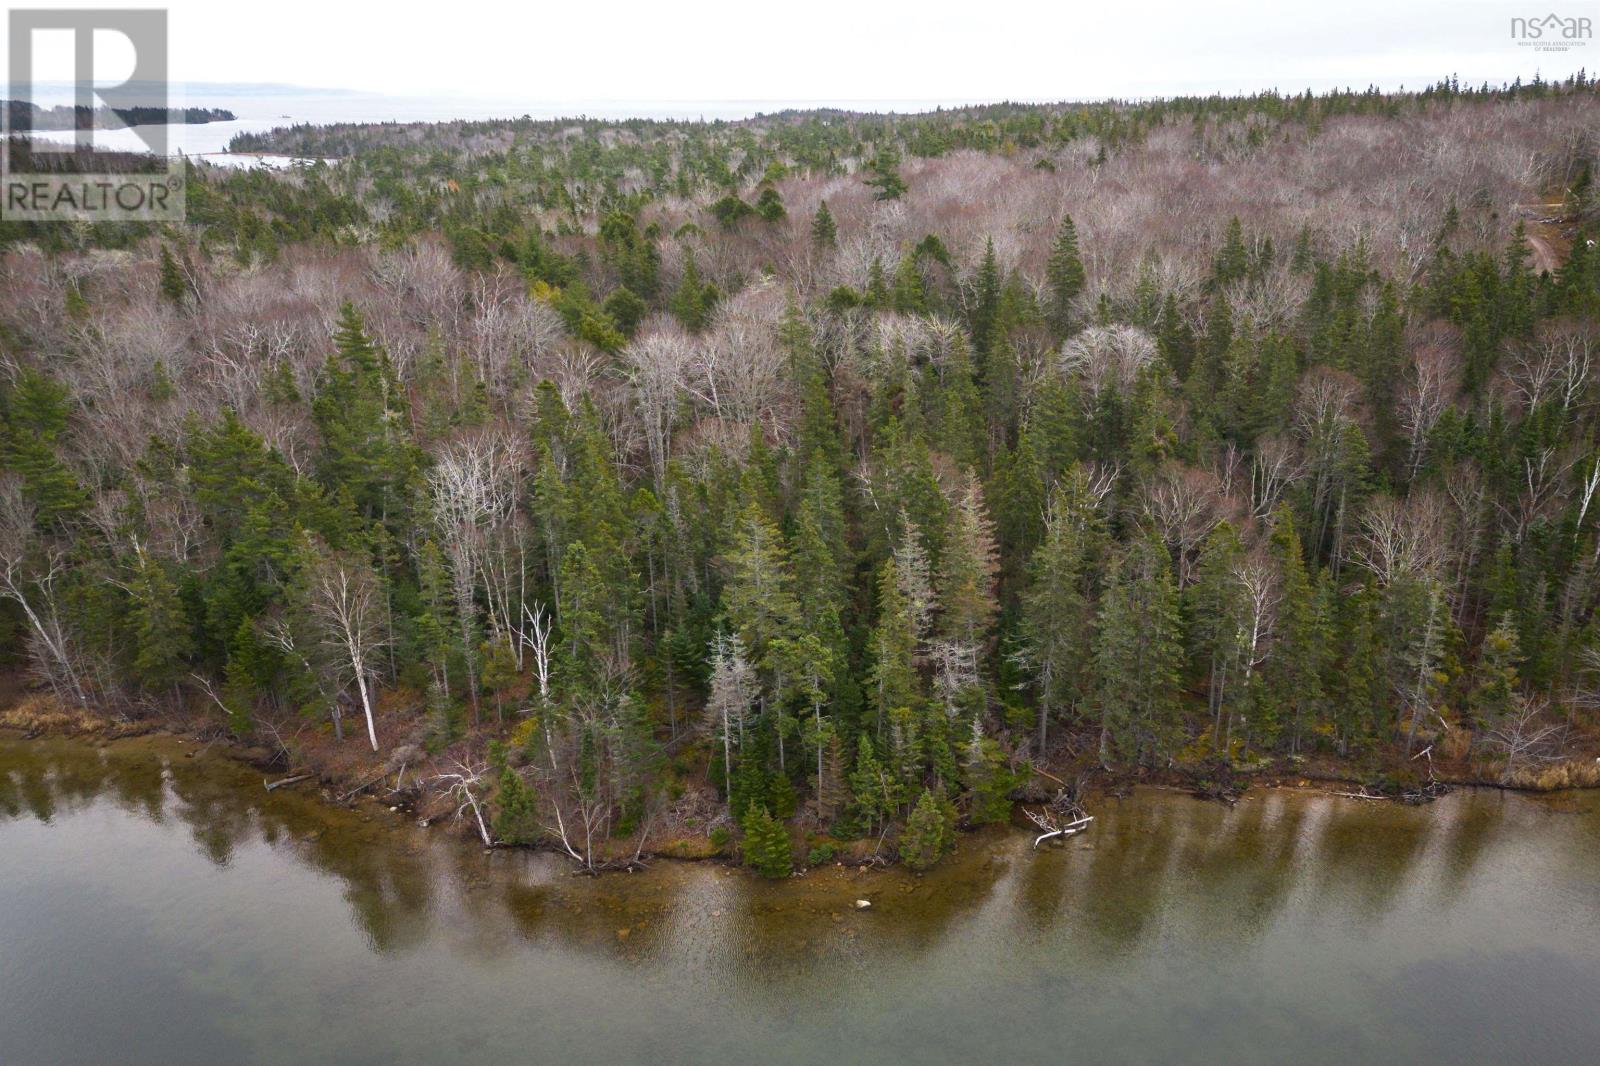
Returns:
(158, 906)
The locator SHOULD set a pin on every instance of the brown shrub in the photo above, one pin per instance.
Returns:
(1572, 773)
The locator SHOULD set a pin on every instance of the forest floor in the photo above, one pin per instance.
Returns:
(408, 779)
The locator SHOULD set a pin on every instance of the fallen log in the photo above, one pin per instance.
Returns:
(1070, 829)
(274, 785)
(363, 786)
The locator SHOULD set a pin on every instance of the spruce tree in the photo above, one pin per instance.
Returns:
(769, 205)
(172, 285)
(360, 412)
(824, 234)
(1057, 616)
(928, 834)
(883, 174)
(1065, 275)
(162, 639)
(766, 843)
(1138, 652)
(893, 678)
(693, 299)
(986, 302)
(1233, 260)
(33, 417)
(1305, 639)
(967, 603)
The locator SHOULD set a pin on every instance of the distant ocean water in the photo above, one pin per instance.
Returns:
(261, 108)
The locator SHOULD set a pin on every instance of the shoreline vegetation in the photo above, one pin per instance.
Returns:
(342, 784)
(815, 486)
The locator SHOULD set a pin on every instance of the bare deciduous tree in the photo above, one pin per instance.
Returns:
(344, 599)
(657, 366)
(1401, 539)
(30, 569)
(1432, 384)
(1523, 736)
(1185, 505)
(1107, 358)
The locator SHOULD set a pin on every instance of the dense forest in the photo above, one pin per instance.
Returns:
(642, 480)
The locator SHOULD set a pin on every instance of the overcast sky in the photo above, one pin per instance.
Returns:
(821, 50)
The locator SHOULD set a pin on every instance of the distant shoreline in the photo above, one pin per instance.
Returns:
(26, 117)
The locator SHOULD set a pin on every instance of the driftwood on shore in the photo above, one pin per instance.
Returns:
(282, 781)
(1062, 818)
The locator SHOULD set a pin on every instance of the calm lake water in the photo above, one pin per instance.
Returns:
(157, 907)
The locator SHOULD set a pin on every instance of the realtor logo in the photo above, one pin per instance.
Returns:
(1552, 33)
(68, 175)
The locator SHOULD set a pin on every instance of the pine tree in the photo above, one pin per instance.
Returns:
(988, 779)
(908, 297)
(76, 304)
(580, 662)
(759, 596)
(874, 795)
(517, 819)
(1216, 614)
(769, 205)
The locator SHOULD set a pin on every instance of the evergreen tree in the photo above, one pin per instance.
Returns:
(986, 303)
(1065, 274)
(162, 639)
(1497, 682)
(928, 834)
(173, 286)
(361, 415)
(1233, 261)
(894, 680)
(33, 416)
(883, 174)
(766, 844)
(874, 793)
(693, 300)
(1305, 638)
(1137, 655)
(967, 603)
(824, 234)
(1057, 616)
(769, 205)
